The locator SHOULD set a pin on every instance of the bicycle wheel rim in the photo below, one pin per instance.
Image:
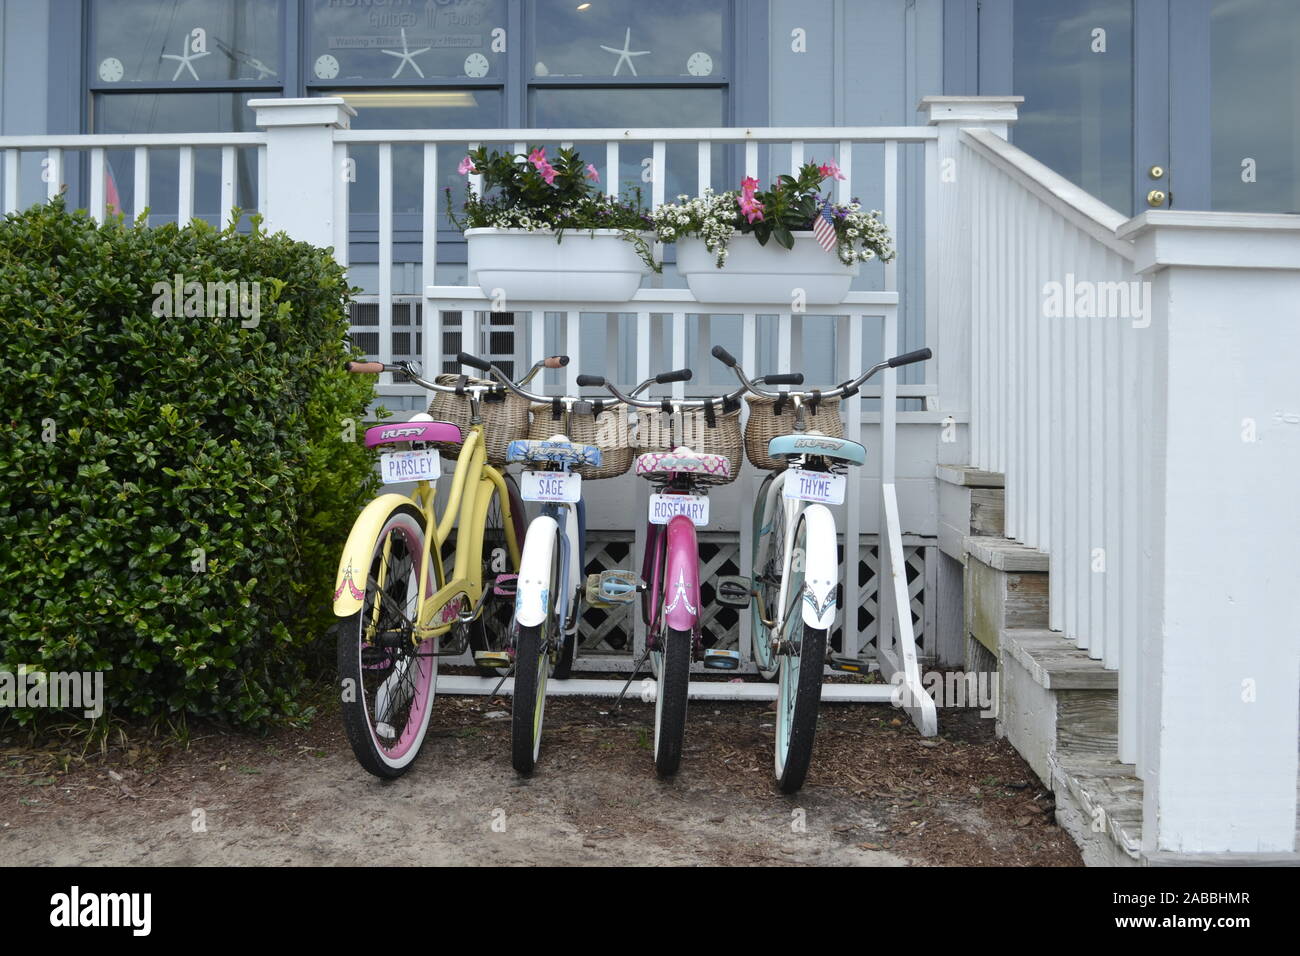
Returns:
(768, 582)
(401, 699)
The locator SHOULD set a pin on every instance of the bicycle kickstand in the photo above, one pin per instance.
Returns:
(636, 669)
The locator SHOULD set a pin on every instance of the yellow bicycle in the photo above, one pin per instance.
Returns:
(399, 611)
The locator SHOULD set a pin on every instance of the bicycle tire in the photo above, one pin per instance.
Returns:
(385, 713)
(671, 691)
(799, 685)
(491, 629)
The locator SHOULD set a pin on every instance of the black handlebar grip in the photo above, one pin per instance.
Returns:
(677, 375)
(473, 361)
(920, 355)
(784, 378)
(723, 356)
(597, 381)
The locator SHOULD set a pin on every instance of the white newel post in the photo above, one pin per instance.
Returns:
(947, 244)
(302, 181)
(1222, 636)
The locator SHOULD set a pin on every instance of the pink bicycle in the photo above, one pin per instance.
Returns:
(670, 592)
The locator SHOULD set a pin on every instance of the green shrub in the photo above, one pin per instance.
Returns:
(133, 440)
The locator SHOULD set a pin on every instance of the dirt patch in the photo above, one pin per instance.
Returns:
(877, 795)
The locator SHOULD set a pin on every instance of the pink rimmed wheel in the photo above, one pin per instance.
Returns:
(387, 680)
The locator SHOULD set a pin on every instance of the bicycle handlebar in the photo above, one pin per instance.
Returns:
(843, 390)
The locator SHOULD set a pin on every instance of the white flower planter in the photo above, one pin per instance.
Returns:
(768, 274)
(531, 266)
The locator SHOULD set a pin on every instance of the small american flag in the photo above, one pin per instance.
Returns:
(824, 229)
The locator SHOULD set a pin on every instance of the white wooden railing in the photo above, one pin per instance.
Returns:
(56, 170)
(1057, 402)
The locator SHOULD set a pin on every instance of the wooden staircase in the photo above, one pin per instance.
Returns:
(1057, 706)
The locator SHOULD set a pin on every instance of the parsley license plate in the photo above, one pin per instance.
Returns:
(550, 486)
(396, 466)
(664, 507)
(819, 486)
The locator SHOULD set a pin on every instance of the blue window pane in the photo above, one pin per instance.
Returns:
(628, 38)
(356, 40)
(1073, 64)
(186, 41)
(1255, 106)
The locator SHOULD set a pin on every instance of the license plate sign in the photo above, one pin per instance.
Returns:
(665, 507)
(398, 466)
(819, 486)
(551, 486)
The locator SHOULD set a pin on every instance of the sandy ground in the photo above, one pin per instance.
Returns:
(878, 795)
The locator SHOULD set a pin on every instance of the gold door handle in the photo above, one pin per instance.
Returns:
(1156, 197)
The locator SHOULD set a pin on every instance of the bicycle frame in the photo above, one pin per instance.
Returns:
(469, 499)
(671, 567)
(821, 564)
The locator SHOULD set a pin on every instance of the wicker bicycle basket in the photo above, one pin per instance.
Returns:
(765, 424)
(505, 417)
(656, 431)
(587, 428)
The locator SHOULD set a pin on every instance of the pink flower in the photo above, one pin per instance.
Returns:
(750, 207)
(466, 167)
(592, 174)
(748, 186)
(537, 157)
(830, 169)
(547, 171)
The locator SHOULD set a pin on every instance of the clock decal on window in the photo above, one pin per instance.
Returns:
(326, 67)
(476, 64)
(111, 70)
(700, 64)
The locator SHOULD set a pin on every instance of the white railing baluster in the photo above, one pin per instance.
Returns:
(1097, 568)
(261, 179)
(704, 167)
(679, 351)
(852, 637)
(844, 159)
(53, 172)
(97, 185)
(430, 313)
(573, 349)
(185, 186)
(611, 168)
(141, 181)
(895, 227)
(475, 179)
(11, 181)
(751, 158)
(385, 282)
(228, 185)
(796, 156)
(342, 205)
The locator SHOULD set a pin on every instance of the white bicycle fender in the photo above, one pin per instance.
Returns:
(821, 568)
(533, 589)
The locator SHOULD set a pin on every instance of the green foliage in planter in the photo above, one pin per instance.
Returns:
(528, 191)
(175, 487)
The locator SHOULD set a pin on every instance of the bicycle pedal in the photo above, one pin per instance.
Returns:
(505, 585)
(850, 665)
(722, 660)
(613, 588)
(732, 590)
(492, 658)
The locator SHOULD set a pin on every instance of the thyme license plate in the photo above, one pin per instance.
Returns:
(819, 486)
(664, 507)
(551, 486)
(397, 466)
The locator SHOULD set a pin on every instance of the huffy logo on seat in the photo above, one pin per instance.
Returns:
(828, 443)
(74, 909)
(401, 432)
